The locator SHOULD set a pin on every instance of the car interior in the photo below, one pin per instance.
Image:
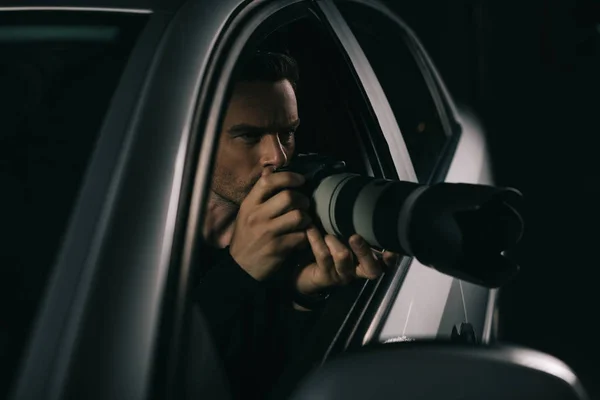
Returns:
(325, 122)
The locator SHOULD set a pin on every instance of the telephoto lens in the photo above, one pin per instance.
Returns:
(460, 229)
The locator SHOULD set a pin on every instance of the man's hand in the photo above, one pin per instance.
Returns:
(334, 264)
(270, 224)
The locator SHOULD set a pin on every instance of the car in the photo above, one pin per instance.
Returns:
(112, 110)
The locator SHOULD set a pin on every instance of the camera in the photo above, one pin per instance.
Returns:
(460, 229)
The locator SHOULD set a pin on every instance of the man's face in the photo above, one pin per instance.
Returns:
(257, 136)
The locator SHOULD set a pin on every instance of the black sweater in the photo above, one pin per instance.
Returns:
(254, 325)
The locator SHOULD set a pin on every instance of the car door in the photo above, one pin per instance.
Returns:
(70, 80)
(97, 314)
(443, 145)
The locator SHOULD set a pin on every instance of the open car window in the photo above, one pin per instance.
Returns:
(337, 120)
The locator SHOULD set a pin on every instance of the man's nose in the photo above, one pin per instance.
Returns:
(274, 153)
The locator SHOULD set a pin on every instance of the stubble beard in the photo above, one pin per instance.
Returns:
(231, 198)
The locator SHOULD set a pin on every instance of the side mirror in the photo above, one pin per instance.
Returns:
(440, 370)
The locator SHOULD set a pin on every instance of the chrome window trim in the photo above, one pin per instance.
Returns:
(66, 8)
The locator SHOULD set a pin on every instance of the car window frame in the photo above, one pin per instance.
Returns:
(446, 105)
(382, 298)
(234, 42)
(373, 90)
(373, 309)
(441, 97)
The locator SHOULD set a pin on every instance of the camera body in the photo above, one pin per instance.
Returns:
(314, 167)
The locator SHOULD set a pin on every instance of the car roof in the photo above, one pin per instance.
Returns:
(132, 5)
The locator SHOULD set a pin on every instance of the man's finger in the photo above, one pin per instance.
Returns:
(284, 201)
(319, 247)
(270, 184)
(291, 221)
(342, 259)
(360, 247)
(368, 266)
(294, 241)
(390, 259)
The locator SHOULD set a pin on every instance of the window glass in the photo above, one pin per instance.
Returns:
(405, 87)
(58, 71)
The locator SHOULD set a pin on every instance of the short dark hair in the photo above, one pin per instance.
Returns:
(266, 66)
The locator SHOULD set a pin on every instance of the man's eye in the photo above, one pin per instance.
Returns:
(249, 137)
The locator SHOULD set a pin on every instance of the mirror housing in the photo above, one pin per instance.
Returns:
(440, 370)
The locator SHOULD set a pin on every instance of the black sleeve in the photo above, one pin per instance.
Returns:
(297, 326)
(252, 323)
(222, 292)
(293, 325)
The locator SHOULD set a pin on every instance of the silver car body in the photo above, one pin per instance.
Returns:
(101, 313)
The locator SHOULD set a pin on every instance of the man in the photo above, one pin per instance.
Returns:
(257, 304)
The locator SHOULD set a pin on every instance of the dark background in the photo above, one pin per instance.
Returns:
(530, 70)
